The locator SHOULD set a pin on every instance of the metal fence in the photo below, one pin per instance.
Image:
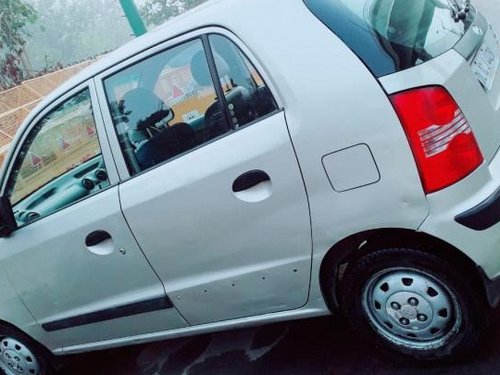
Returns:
(17, 102)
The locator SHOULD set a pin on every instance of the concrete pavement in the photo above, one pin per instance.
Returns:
(309, 347)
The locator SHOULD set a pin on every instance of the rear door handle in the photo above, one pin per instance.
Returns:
(249, 180)
(97, 237)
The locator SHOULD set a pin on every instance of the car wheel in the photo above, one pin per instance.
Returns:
(19, 355)
(414, 303)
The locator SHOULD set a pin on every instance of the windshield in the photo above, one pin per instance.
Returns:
(393, 35)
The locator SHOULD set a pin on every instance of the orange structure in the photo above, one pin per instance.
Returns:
(17, 102)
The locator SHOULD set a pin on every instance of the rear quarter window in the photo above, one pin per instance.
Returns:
(392, 35)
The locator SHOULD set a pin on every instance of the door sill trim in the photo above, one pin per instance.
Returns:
(136, 308)
(306, 312)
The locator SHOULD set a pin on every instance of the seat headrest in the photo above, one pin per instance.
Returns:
(201, 72)
(140, 104)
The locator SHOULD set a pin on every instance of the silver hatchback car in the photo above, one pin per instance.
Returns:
(255, 161)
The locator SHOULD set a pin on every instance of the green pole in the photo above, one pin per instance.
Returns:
(133, 16)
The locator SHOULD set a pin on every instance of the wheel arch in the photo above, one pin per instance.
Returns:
(15, 317)
(354, 246)
(49, 360)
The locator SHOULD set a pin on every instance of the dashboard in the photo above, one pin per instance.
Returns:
(84, 180)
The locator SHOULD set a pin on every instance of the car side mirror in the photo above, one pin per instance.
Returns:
(7, 219)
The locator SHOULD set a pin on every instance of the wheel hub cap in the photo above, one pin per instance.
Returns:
(411, 308)
(13, 361)
(410, 311)
(16, 358)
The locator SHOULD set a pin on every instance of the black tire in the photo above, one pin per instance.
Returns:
(371, 310)
(29, 355)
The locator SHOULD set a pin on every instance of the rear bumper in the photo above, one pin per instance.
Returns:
(491, 288)
(484, 215)
(467, 216)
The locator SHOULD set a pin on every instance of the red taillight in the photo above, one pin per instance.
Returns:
(440, 137)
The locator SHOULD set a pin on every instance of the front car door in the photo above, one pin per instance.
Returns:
(72, 258)
(212, 189)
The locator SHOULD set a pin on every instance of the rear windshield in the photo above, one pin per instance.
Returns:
(393, 35)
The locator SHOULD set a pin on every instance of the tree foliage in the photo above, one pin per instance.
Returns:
(156, 12)
(69, 31)
(15, 15)
(55, 33)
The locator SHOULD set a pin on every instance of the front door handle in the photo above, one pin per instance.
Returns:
(249, 180)
(97, 237)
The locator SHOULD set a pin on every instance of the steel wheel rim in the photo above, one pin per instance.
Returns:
(16, 358)
(411, 308)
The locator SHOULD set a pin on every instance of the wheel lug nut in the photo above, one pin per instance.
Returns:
(422, 317)
(395, 306)
(404, 321)
(413, 301)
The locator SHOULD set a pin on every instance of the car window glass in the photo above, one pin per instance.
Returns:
(164, 106)
(59, 163)
(390, 36)
(247, 96)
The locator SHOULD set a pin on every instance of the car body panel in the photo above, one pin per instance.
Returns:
(480, 246)
(58, 277)
(14, 311)
(451, 70)
(302, 313)
(88, 282)
(226, 262)
(481, 107)
(220, 254)
(278, 54)
(344, 108)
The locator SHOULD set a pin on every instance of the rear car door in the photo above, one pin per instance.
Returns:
(212, 189)
(72, 259)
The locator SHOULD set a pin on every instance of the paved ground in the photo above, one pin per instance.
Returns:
(308, 347)
(316, 346)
